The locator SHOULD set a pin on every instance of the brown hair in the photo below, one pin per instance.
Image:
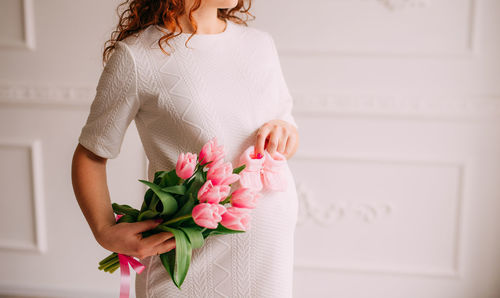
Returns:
(139, 14)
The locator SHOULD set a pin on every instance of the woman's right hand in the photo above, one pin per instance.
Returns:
(126, 238)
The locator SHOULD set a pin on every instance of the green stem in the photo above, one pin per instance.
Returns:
(106, 259)
(173, 220)
(110, 264)
(112, 261)
(114, 269)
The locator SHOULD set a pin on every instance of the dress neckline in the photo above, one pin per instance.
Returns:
(211, 36)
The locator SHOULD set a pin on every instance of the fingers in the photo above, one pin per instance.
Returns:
(143, 250)
(286, 149)
(164, 247)
(261, 138)
(156, 239)
(283, 140)
(274, 139)
(290, 145)
(142, 226)
(152, 245)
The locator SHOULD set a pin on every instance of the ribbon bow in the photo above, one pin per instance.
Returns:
(266, 172)
(125, 273)
(125, 270)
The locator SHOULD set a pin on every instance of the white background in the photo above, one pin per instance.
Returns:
(398, 169)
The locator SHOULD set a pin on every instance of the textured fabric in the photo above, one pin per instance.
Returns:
(224, 85)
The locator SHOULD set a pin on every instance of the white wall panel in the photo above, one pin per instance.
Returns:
(398, 103)
(21, 191)
(398, 216)
(16, 24)
(376, 27)
(69, 264)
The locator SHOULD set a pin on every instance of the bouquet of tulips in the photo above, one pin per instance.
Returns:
(194, 202)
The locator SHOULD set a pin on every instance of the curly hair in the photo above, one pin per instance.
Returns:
(139, 14)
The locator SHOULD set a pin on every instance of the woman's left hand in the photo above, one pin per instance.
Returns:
(277, 135)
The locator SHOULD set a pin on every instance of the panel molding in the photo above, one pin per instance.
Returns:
(23, 93)
(394, 105)
(30, 290)
(371, 212)
(395, 6)
(335, 211)
(400, 4)
(311, 103)
(28, 23)
(38, 201)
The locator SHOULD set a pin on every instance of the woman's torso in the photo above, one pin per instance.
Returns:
(223, 87)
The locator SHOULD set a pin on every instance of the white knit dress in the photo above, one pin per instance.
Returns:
(224, 85)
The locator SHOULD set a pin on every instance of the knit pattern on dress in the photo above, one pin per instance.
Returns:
(224, 85)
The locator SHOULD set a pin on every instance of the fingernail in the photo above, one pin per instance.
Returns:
(159, 220)
(259, 155)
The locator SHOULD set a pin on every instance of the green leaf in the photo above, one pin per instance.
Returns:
(195, 184)
(169, 179)
(148, 214)
(147, 199)
(176, 189)
(125, 210)
(195, 236)
(238, 169)
(168, 261)
(187, 208)
(159, 176)
(220, 230)
(169, 203)
(153, 203)
(183, 251)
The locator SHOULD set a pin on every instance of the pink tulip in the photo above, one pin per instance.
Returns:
(208, 215)
(245, 198)
(186, 164)
(211, 152)
(221, 172)
(236, 218)
(213, 194)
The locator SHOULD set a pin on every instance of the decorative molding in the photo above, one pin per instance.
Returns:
(311, 210)
(28, 24)
(335, 210)
(401, 4)
(304, 103)
(30, 290)
(446, 106)
(35, 149)
(26, 93)
(301, 264)
(467, 52)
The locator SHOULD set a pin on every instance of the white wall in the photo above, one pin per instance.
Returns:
(46, 247)
(398, 103)
(398, 106)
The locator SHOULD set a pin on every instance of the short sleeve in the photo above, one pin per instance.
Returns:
(284, 94)
(115, 105)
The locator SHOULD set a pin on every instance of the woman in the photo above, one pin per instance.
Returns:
(188, 71)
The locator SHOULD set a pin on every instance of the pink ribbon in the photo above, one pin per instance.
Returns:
(125, 270)
(125, 273)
